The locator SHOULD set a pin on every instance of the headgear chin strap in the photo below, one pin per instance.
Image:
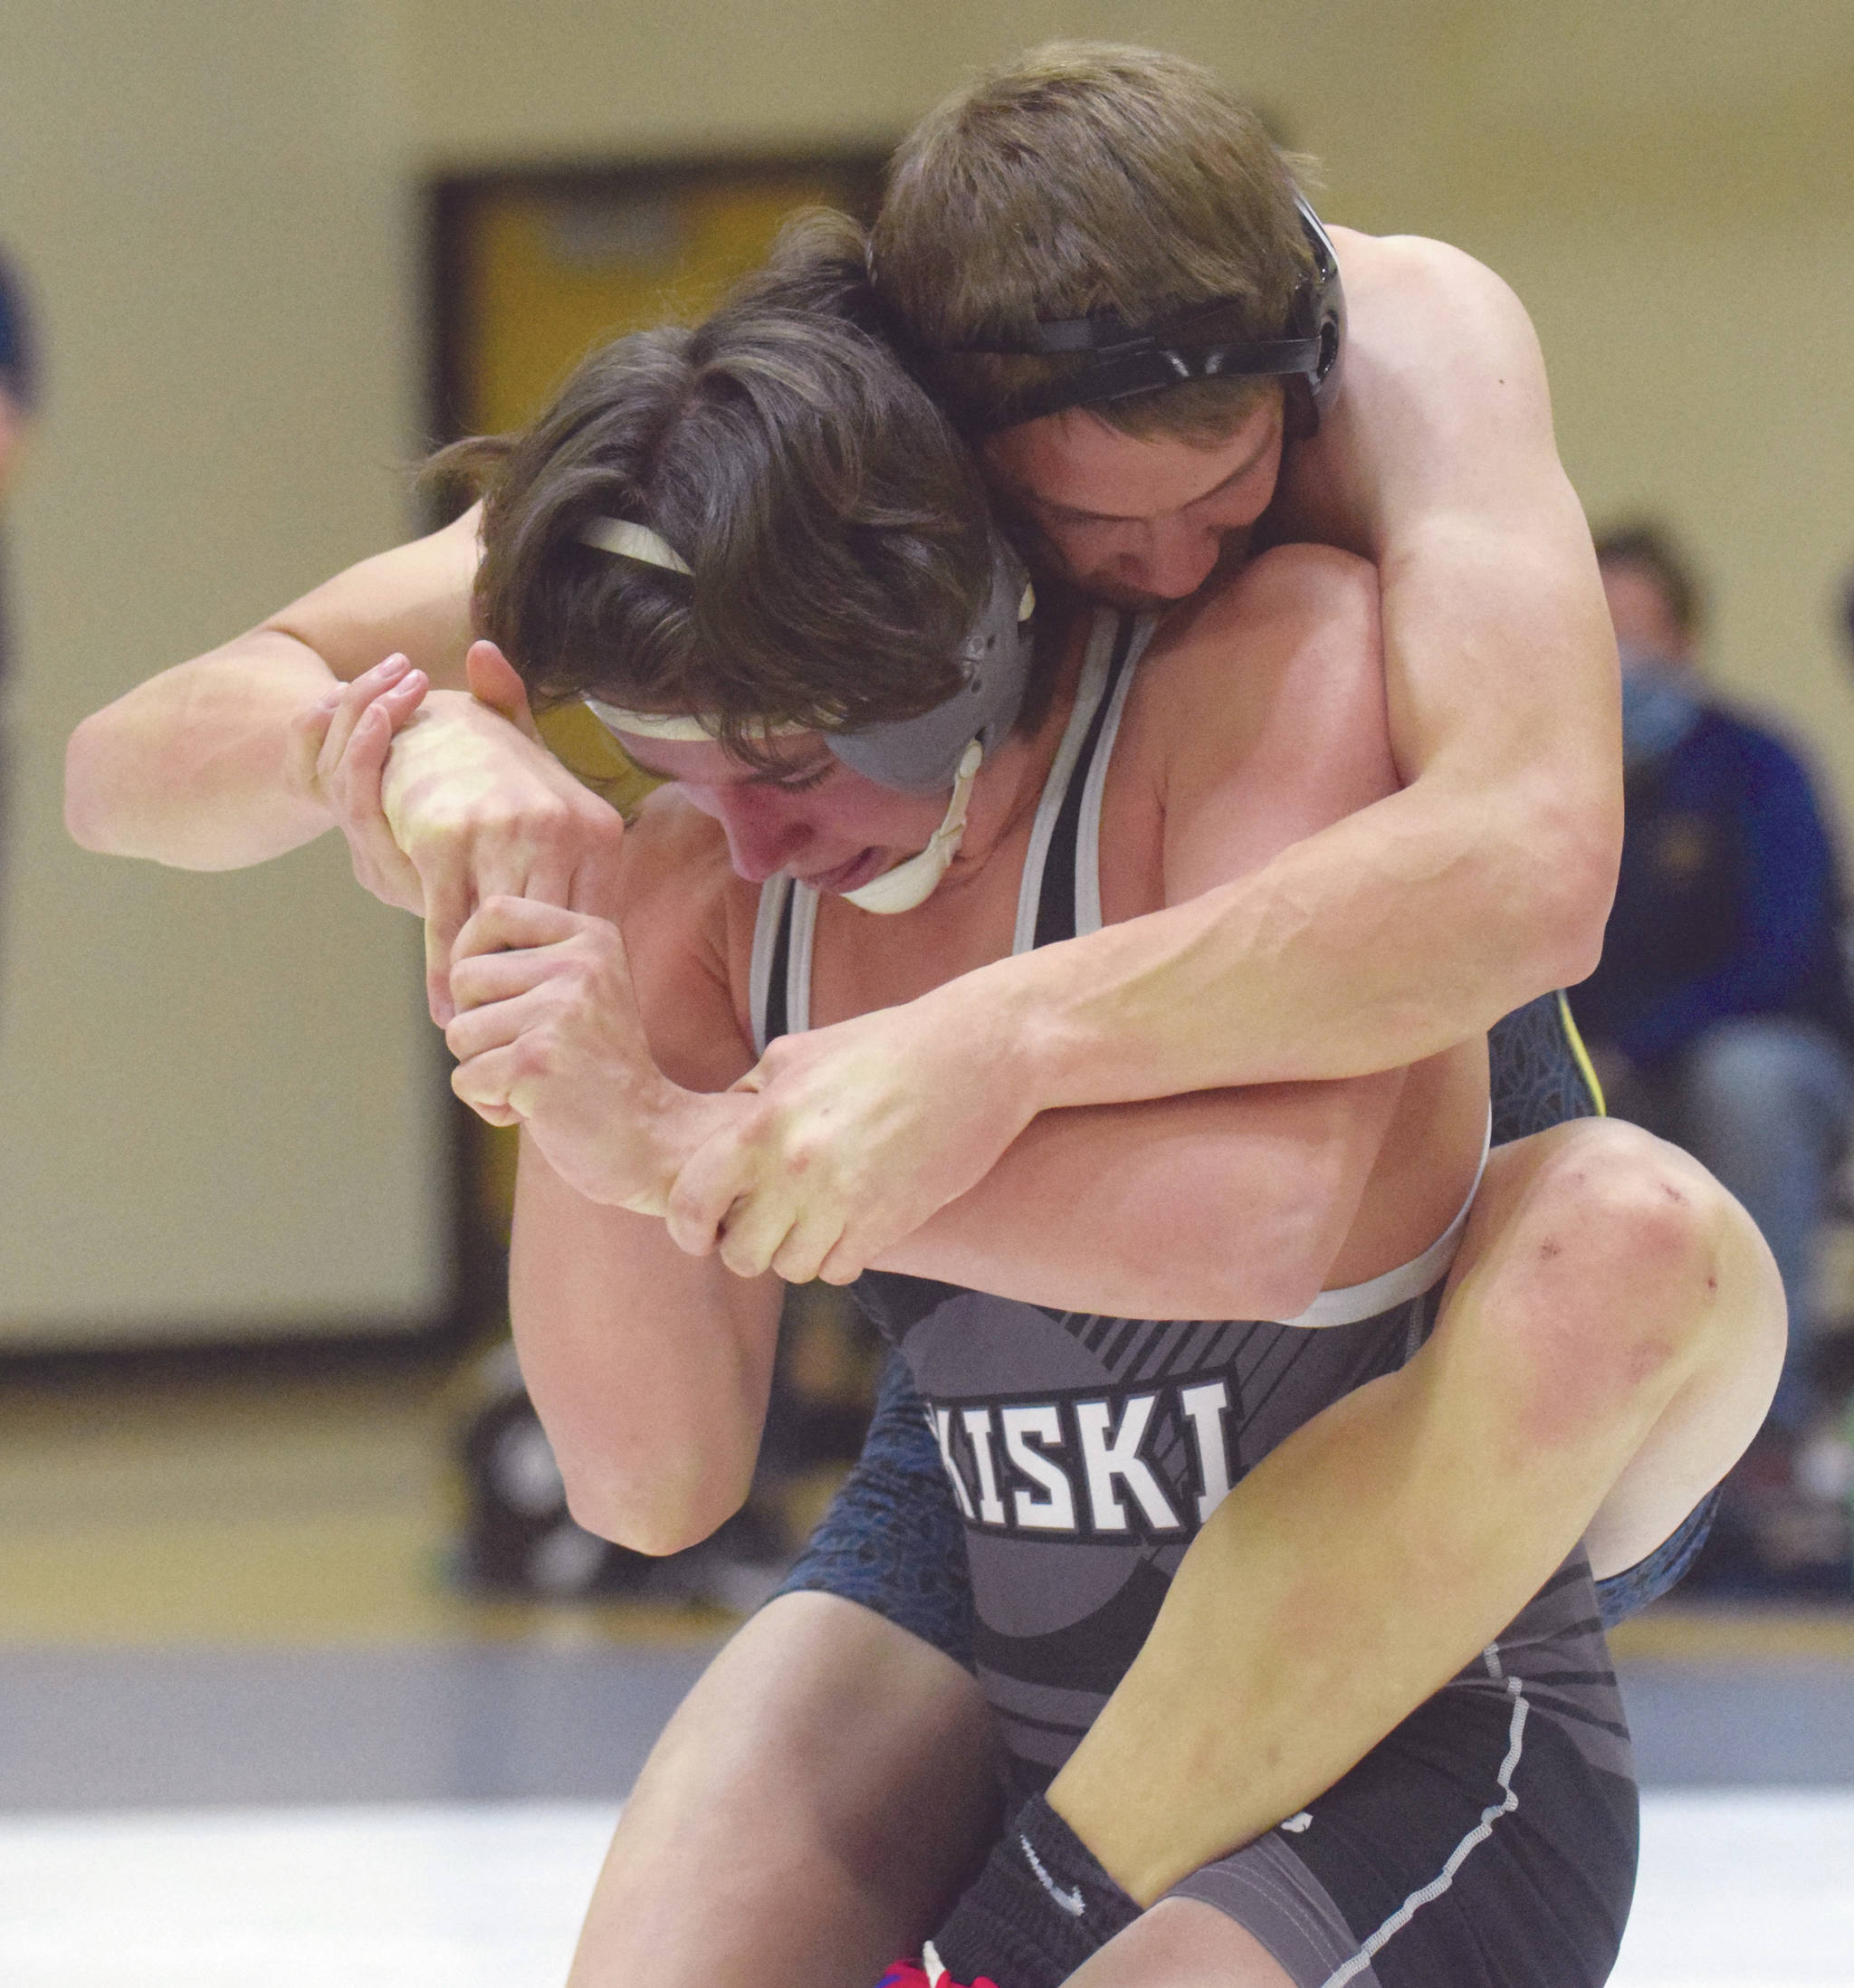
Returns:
(915, 881)
(940, 748)
(1205, 341)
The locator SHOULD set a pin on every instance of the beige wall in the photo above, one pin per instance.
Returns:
(220, 1102)
(220, 1095)
(1669, 185)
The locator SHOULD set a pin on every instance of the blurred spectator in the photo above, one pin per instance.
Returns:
(1719, 1015)
(16, 383)
(1847, 927)
(15, 401)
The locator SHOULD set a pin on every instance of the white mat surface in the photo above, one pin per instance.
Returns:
(374, 1897)
(1740, 1890)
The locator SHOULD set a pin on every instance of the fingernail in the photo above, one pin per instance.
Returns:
(392, 666)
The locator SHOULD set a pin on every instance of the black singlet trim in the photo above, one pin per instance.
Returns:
(1055, 903)
(778, 1020)
(1564, 1578)
(1615, 1728)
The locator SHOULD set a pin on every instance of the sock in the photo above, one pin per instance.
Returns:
(1038, 1910)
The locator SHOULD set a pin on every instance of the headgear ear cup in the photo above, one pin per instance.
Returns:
(1318, 312)
(922, 755)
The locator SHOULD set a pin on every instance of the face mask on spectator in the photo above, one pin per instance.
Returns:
(1660, 705)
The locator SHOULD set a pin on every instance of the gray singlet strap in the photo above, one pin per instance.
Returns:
(775, 894)
(799, 959)
(767, 920)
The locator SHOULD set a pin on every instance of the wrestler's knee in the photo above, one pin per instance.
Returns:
(1622, 1266)
(1182, 1943)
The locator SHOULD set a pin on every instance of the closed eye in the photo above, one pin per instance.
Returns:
(800, 783)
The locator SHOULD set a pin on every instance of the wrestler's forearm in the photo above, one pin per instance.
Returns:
(199, 767)
(1375, 943)
(1219, 1204)
(1413, 924)
(649, 1369)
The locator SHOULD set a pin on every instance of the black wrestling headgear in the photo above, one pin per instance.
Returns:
(1204, 342)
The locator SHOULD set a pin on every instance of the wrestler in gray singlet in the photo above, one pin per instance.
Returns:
(1084, 1453)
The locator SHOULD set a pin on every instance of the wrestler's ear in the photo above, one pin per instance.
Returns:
(493, 682)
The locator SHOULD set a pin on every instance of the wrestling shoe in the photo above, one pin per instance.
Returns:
(926, 1972)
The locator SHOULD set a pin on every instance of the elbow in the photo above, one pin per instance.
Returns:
(660, 1518)
(1551, 882)
(1576, 870)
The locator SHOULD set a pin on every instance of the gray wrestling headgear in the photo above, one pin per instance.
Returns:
(922, 755)
(940, 748)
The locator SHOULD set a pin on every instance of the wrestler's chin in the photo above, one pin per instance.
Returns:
(1115, 592)
(862, 868)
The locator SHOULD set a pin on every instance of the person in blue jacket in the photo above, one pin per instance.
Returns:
(16, 393)
(1720, 1013)
(16, 382)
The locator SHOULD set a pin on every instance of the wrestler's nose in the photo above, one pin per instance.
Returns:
(764, 832)
(1173, 556)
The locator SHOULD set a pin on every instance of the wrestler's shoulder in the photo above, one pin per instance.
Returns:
(1413, 273)
(1296, 627)
(1297, 581)
(675, 864)
(1429, 328)
(1293, 603)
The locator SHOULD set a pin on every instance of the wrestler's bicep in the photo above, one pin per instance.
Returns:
(413, 600)
(1499, 658)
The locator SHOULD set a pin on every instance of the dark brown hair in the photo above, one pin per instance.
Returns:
(1651, 547)
(1087, 176)
(835, 525)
